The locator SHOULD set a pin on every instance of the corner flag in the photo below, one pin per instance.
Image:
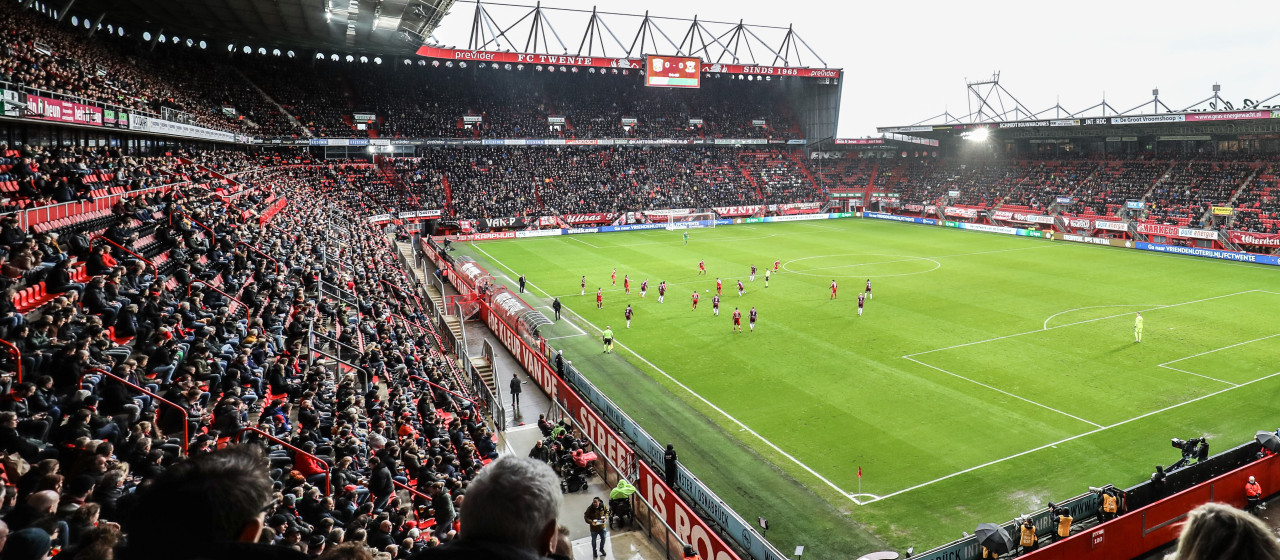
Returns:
(859, 471)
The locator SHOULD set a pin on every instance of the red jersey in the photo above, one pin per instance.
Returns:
(775, 265)
(737, 317)
(702, 265)
(695, 298)
(833, 286)
(626, 282)
(861, 298)
(719, 284)
(599, 296)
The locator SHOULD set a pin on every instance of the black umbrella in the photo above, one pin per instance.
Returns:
(1269, 440)
(994, 538)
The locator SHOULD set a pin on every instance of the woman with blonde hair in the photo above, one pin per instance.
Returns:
(1214, 531)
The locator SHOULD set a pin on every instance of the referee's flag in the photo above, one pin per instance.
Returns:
(859, 471)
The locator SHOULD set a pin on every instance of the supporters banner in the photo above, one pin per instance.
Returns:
(961, 212)
(547, 221)
(1158, 229)
(913, 207)
(1228, 116)
(503, 223)
(1080, 222)
(1250, 238)
(735, 211)
(1064, 200)
(1002, 215)
(953, 194)
(593, 218)
(1135, 204)
(1210, 253)
(1223, 210)
(46, 109)
(1197, 233)
(800, 206)
(1111, 226)
(675, 513)
(859, 141)
(421, 214)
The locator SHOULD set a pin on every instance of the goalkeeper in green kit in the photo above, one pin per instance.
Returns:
(1137, 328)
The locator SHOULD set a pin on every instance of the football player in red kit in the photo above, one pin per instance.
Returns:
(737, 320)
(613, 277)
(776, 264)
(695, 300)
(626, 284)
(599, 298)
(702, 267)
(833, 289)
(719, 286)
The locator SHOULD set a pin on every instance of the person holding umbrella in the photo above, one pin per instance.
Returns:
(994, 540)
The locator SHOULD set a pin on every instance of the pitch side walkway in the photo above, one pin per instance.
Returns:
(522, 433)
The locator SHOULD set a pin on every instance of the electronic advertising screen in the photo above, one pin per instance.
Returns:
(672, 71)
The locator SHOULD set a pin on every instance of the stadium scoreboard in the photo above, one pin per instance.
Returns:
(672, 71)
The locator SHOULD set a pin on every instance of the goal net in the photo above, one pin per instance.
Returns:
(695, 220)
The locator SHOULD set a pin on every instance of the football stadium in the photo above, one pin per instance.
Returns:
(387, 279)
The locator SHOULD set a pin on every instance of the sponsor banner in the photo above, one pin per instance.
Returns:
(796, 142)
(380, 218)
(796, 218)
(161, 126)
(539, 233)
(576, 142)
(995, 229)
(675, 513)
(800, 206)
(1223, 210)
(632, 227)
(895, 218)
(493, 235)
(1210, 253)
(1197, 233)
(503, 223)
(1158, 229)
(1064, 122)
(1111, 226)
(593, 218)
(741, 141)
(1135, 204)
(1064, 200)
(635, 64)
(472, 118)
(859, 141)
(1250, 238)
(555, 120)
(1038, 219)
(1147, 119)
(953, 194)
(734, 211)
(758, 122)
(671, 212)
(1228, 116)
(961, 212)
(1002, 215)
(1093, 240)
(380, 141)
(46, 109)
(925, 128)
(575, 231)
(1080, 222)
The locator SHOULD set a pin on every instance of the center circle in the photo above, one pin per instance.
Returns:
(861, 265)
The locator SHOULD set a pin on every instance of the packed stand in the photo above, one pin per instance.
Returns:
(1186, 194)
(178, 323)
(1258, 206)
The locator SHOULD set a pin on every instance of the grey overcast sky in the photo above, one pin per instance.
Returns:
(907, 61)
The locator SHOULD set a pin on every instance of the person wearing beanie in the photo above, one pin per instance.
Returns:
(28, 544)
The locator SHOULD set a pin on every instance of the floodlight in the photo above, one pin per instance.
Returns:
(262, 51)
(275, 52)
(351, 58)
(482, 65)
(146, 35)
(290, 54)
(977, 135)
(248, 49)
(203, 45)
(520, 67)
(120, 31)
(508, 67)
(462, 65)
(377, 60)
(364, 60)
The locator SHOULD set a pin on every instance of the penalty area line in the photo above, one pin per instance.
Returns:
(1004, 392)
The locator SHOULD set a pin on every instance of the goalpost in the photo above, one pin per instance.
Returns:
(688, 221)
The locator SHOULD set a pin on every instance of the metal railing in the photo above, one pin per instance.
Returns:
(155, 270)
(215, 288)
(259, 251)
(26, 217)
(17, 358)
(327, 475)
(186, 419)
(212, 236)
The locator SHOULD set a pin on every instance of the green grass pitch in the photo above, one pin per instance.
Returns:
(989, 374)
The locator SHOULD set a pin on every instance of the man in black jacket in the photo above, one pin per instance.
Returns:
(380, 482)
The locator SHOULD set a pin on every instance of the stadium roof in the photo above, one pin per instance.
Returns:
(380, 26)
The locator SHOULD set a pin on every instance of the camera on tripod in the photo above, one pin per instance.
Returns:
(1197, 448)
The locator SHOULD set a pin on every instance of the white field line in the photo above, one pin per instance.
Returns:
(1046, 321)
(1198, 375)
(1002, 391)
(807, 468)
(1075, 437)
(565, 336)
(571, 238)
(553, 312)
(1077, 323)
(1167, 366)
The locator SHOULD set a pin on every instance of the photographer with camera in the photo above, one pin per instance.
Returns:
(1253, 492)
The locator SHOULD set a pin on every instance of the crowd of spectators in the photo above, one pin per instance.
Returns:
(192, 321)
